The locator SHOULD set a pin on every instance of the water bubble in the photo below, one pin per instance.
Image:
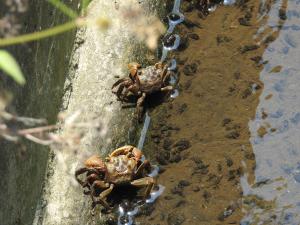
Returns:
(173, 79)
(133, 212)
(229, 2)
(174, 17)
(121, 211)
(154, 172)
(174, 94)
(171, 41)
(173, 65)
(212, 8)
(154, 195)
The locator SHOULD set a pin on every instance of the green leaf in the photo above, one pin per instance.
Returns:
(10, 66)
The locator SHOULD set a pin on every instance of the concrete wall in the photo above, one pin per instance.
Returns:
(99, 58)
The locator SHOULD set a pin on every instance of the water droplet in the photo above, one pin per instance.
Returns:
(229, 2)
(174, 19)
(174, 94)
(154, 195)
(212, 8)
(154, 171)
(173, 79)
(173, 65)
(171, 41)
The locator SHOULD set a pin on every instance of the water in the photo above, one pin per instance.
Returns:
(228, 143)
(277, 152)
(229, 2)
(144, 131)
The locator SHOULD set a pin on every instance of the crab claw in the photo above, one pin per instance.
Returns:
(133, 68)
(158, 65)
(95, 162)
(137, 153)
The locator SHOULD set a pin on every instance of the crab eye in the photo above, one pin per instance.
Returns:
(139, 72)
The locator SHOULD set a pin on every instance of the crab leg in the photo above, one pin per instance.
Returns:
(118, 82)
(102, 196)
(90, 179)
(167, 88)
(165, 77)
(144, 165)
(134, 88)
(131, 88)
(140, 107)
(146, 181)
(123, 83)
(86, 192)
(119, 92)
(165, 74)
(81, 171)
(137, 81)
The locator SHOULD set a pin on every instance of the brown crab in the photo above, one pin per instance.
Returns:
(142, 82)
(124, 166)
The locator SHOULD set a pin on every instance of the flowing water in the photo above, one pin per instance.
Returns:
(228, 145)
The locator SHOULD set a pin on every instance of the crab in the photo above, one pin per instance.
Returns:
(124, 166)
(142, 82)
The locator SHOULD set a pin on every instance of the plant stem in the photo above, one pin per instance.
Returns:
(39, 35)
(64, 8)
(37, 129)
(84, 5)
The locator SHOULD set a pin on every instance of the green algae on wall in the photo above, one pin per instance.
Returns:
(44, 64)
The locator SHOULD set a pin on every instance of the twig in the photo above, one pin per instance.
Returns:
(37, 129)
(37, 140)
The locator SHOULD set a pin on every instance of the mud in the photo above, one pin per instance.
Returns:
(201, 138)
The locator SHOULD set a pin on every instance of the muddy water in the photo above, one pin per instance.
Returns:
(227, 145)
